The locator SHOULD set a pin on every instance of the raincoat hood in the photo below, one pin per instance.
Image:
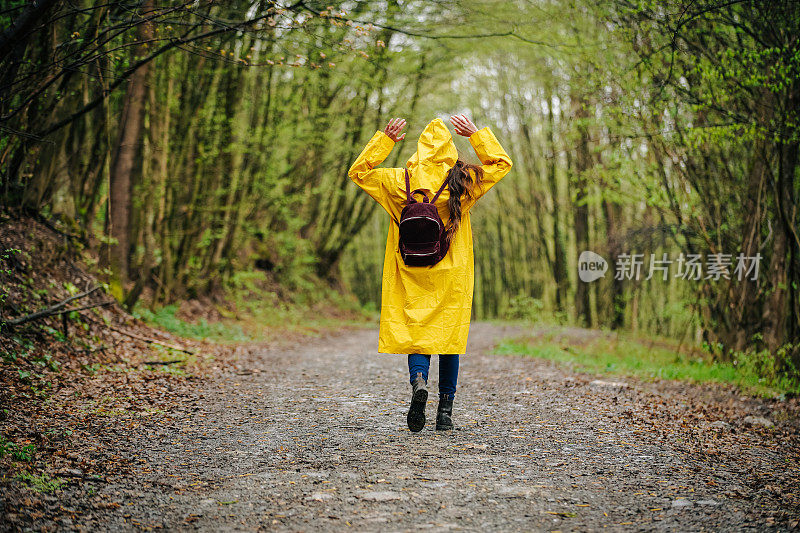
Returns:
(436, 154)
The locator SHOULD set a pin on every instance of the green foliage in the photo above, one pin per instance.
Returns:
(17, 452)
(25, 348)
(5, 255)
(266, 305)
(71, 288)
(42, 482)
(10, 10)
(47, 360)
(524, 308)
(91, 369)
(165, 318)
(642, 122)
(775, 370)
(588, 351)
(58, 335)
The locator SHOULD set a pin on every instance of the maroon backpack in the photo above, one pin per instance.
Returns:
(423, 237)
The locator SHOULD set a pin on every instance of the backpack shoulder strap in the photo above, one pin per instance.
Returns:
(408, 190)
(440, 190)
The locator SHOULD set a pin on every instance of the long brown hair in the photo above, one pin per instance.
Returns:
(460, 182)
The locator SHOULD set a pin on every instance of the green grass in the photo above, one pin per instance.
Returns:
(305, 305)
(17, 452)
(165, 318)
(42, 482)
(611, 355)
(264, 317)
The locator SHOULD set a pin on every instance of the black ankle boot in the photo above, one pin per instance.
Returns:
(419, 397)
(443, 414)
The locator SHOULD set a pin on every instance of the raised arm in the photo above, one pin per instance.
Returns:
(495, 160)
(363, 172)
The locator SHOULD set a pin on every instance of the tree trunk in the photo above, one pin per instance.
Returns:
(583, 310)
(774, 316)
(612, 216)
(775, 310)
(744, 297)
(126, 153)
(559, 254)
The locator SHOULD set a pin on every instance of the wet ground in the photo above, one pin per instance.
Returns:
(313, 438)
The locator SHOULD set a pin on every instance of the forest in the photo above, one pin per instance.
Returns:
(191, 274)
(190, 146)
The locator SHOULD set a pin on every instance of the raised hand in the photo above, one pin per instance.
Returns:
(463, 125)
(394, 128)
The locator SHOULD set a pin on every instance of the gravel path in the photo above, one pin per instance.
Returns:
(314, 438)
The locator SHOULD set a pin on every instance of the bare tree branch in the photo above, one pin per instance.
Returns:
(56, 309)
(125, 75)
(23, 24)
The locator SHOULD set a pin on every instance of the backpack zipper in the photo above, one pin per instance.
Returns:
(427, 218)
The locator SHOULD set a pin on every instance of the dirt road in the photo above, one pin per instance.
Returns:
(313, 438)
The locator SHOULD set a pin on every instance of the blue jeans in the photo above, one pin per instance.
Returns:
(448, 371)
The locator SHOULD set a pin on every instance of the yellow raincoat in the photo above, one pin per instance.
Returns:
(427, 309)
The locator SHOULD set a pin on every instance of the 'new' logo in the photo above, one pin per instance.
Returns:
(591, 266)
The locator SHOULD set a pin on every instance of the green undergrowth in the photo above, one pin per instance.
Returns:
(256, 311)
(600, 353)
(166, 318)
(42, 482)
(18, 452)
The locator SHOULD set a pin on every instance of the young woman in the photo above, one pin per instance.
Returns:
(426, 309)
